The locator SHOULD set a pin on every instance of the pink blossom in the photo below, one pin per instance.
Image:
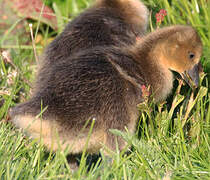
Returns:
(160, 15)
(145, 91)
(138, 38)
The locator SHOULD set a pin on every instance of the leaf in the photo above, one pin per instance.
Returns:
(11, 26)
(192, 102)
(59, 18)
(34, 9)
(177, 100)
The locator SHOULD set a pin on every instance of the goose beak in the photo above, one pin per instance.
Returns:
(192, 76)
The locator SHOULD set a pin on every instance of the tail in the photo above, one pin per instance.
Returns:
(31, 107)
(26, 116)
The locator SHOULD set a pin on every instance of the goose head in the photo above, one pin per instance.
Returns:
(182, 51)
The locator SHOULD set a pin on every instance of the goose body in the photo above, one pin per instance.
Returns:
(104, 84)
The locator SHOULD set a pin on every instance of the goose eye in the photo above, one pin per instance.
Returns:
(191, 55)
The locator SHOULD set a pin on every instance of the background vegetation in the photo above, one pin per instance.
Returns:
(172, 139)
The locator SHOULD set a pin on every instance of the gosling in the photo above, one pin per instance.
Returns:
(104, 84)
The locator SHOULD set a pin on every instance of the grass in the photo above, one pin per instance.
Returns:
(172, 139)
